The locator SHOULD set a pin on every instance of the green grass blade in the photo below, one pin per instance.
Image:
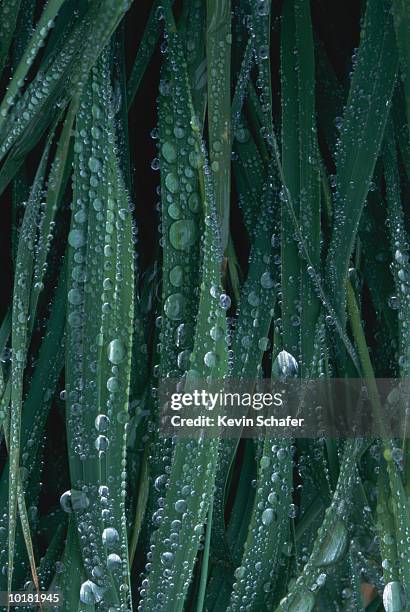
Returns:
(145, 51)
(9, 12)
(189, 455)
(43, 27)
(218, 46)
(251, 337)
(362, 131)
(99, 340)
(401, 14)
(309, 178)
(290, 164)
(20, 337)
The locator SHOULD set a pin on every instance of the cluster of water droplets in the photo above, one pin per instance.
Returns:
(99, 325)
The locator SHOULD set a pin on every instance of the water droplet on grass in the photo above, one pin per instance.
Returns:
(116, 351)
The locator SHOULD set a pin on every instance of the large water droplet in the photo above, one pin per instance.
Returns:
(268, 516)
(110, 536)
(174, 306)
(302, 602)
(90, 593)
(394, 597)
(182, 234)
(176, 276)
(267, 281)
(168, 151)
(194, 202)
(76, 238)
(171, 182)
(334, 546)
(113, 562)
(116, 351)
(286, 365)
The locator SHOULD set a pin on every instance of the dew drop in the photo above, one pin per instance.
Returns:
(116, 351)
(174, 306)
(182, 234)
(110, 536)
(394, 597)
(334, 546)
(76, 238)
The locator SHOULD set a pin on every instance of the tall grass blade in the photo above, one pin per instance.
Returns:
(218, 47)
(362, 131)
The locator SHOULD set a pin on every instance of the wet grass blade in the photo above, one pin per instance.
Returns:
(97, 398)
(290, 163)
(193, 466)
(218, 47)
(309, 179)
(145, 51)
(401, 14)
(362, 131)
(20, 338)
(9, 12)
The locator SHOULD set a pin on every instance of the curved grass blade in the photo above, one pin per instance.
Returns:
(43, 27)
(250, 340)
(20, 337)
(192, 27)
(267, 527)
(362, 131)
(62, 78)
(331, 543)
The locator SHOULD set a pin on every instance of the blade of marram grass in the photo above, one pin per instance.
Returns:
(361, 135)
(331, 100)
(194, 31)
(290, 164)
(98, 356)
(401, 127)
(249, 174)
(38, 37)
(24, 32)
(309, 177)
(386, 529)
(400, 268)
(37, 402)
(267, 527)
(20, 337)
(331, 542)
(242, 84)
(193, 466)
(399, 248)
(181, 210)
(401, 13)
(145, 51)
(62, 78)
(251, 336)
(218, 49)
(36, 235)
(9, 12)
(400, 506)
